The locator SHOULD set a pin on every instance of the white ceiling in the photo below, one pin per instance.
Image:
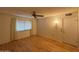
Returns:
(27, 11)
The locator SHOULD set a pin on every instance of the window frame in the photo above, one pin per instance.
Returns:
(24, 29)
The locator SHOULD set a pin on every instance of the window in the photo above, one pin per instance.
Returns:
(23, 25)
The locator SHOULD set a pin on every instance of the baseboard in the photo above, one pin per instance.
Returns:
(4, 42)
(70, 44)
(52, 38)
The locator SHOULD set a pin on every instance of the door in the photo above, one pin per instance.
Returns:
(70, 28)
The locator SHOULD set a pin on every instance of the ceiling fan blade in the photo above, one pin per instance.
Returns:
(36, 15)
(40, 15)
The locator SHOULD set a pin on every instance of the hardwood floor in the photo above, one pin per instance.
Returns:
(37, 44)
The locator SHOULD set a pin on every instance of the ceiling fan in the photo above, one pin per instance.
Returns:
(36, 15)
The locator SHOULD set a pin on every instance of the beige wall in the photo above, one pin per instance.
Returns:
(78, 29)
(64, 32)
(34, 27)
(24, 34)
(4, 28)
(47, 27)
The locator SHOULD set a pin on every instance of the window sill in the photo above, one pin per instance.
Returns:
(22, 30)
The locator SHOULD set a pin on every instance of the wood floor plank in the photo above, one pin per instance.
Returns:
(37, 44)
